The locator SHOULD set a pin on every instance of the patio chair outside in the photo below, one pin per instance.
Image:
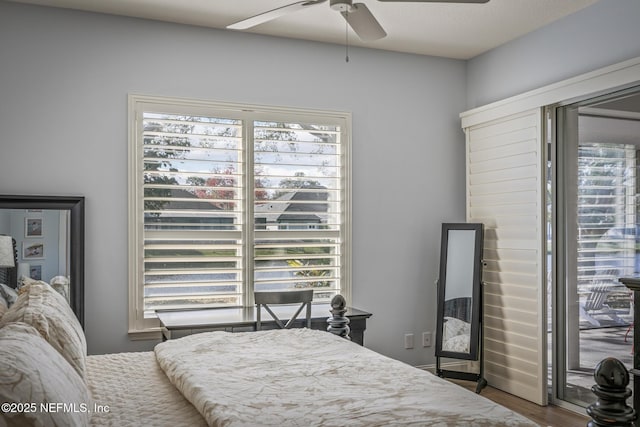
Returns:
(595, 302)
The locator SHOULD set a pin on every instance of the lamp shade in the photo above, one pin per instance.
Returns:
(7, 256)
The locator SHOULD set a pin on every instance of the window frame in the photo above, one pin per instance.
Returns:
(148, 328)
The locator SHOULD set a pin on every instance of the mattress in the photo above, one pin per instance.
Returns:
(137, 393)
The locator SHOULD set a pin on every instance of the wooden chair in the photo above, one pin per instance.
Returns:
(264, 298)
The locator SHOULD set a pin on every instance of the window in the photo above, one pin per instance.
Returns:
(606, 212)
(227, 199)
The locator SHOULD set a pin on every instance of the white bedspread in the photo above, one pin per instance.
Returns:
(302, 377)
(137, 393)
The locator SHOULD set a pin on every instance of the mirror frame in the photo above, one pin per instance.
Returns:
(75, 205)
(476, 292)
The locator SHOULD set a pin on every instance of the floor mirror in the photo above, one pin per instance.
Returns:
(458, 326)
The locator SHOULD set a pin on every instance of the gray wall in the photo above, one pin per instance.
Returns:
(64, 80)
(597, 36)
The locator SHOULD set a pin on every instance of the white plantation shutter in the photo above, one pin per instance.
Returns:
(228, 199)
(192, 210)
(505, 191)
(297, 207)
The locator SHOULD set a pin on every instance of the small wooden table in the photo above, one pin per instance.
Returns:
(179, 323)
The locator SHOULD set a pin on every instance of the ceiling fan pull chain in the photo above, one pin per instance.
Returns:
(346, 36)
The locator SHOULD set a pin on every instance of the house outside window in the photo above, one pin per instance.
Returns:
(225, 199)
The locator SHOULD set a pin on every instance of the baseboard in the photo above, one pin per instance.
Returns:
(462, 366)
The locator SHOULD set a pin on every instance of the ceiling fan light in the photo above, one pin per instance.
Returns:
(341, 5)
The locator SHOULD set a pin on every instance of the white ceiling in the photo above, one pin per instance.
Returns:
(459, 31)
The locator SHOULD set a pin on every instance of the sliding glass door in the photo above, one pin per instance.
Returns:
(594, 191)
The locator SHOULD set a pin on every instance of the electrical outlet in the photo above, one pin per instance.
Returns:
(408, 341)
(426, 339)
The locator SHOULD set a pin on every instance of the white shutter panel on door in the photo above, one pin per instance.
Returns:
(506, 192)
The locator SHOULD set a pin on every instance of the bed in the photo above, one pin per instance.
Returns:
(292, 377)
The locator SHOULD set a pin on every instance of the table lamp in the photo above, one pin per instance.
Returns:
(7, 256)
(6, 259)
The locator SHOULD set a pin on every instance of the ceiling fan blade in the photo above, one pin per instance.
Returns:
(273, 14)
(365, 25)
(436, 1)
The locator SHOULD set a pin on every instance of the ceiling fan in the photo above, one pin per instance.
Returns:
(357, 15)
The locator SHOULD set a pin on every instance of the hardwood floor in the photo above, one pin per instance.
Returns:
(552, 416)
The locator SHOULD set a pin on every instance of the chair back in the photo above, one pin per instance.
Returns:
(600, 289)
(266, 298)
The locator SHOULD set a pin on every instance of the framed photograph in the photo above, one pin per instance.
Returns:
(35, 272)
(33, 227)
(32, 250)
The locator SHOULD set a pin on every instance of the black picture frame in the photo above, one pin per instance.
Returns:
(76, 207)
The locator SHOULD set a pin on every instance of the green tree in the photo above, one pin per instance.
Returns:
(298, 182)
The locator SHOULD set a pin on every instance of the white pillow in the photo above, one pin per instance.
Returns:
(33, 373)
(40, 306)
(59, 283)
